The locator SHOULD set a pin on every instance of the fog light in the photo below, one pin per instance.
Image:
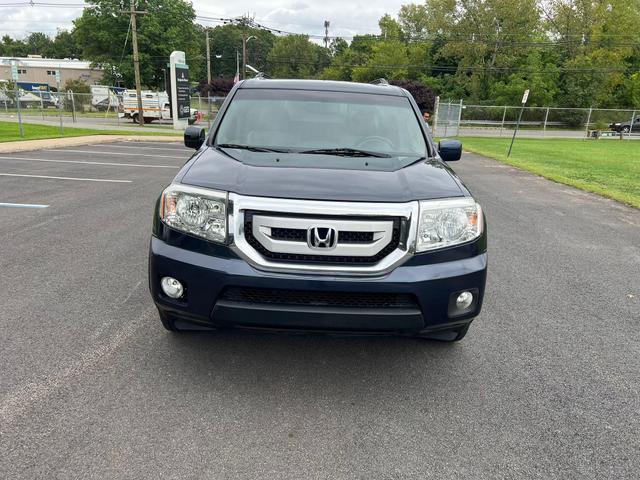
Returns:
(464, 300)
(172, 287)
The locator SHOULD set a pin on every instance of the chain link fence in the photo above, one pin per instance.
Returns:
(455, 118)
(91, 110)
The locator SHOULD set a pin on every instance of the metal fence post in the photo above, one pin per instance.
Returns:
(60, 107)
(633, 117)
(17, 93)
(116, 108)
(73, 106)
(41, 105)
(544, 127)
(588, 121)
(504, 114)
(446, 125)
(459, 119)
(436, 109)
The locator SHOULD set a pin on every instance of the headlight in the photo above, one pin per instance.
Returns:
(198, 211)
(444, 223)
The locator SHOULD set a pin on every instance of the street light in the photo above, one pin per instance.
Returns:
(244, 54)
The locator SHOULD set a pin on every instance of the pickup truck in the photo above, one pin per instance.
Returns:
(319, 206)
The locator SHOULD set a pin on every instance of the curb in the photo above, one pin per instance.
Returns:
(30, 145)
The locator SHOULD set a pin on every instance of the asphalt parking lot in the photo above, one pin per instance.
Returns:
(545, 385)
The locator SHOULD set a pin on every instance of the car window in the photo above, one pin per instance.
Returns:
(306, 120)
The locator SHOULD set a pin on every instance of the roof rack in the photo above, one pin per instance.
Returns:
(379, 81)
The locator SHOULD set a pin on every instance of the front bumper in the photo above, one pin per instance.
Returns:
(207, 277)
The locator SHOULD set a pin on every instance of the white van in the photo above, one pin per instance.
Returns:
(155, 106)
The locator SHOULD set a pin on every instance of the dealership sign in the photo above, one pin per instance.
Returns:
(180, 89)
(183, 91)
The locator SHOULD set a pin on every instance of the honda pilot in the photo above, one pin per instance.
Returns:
(319, 206)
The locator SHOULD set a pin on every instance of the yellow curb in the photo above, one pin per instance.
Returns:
(29, 145)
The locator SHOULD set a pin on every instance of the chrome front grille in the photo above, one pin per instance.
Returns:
(322, 237)
(287, 238)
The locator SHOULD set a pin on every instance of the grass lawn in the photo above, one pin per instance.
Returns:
(607, 167)
(9, 132)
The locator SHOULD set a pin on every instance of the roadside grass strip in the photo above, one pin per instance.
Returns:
(608, 168)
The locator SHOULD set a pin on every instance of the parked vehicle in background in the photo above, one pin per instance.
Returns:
(105, 97)
(626, 127)
(36, 95)
(322, 206)
(155, 106)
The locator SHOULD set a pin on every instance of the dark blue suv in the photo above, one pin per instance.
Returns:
(319, 206)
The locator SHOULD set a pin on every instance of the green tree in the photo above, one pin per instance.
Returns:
(485, 39)
(390, 28)
(76, 86)
(39, 43)
(12, 48)
(343, 61)
(294, 56)
(65, 46)
(226, 41)
(388, 60)
(414, 22)
(167, 25)
(598, 42)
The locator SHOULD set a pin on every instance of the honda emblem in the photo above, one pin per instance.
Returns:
(322, 238)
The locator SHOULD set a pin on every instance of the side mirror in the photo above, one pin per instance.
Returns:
(450, 150)
(194, 137)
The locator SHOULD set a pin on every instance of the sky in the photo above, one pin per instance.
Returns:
(300, 16)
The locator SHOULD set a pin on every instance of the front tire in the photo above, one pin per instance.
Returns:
(625, 130)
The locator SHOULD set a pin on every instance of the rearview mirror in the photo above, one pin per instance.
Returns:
(450, 150)
(194, 137)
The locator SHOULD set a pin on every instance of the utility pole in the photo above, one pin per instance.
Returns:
(326, 33)
(244, 54)
(136, 61)
(208, 58)
(208, 79)
(245, 22)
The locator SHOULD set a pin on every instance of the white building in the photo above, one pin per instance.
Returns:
(36, 69)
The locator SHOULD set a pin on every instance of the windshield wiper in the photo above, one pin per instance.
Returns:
(347, 152)
(252, 148)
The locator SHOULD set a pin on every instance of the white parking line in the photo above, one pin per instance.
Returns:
(92, 152)
(138, 147)
(23, 205)
(84, 162)
(172, 144)
(65, 178)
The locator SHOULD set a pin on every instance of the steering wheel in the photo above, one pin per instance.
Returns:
(373, 139)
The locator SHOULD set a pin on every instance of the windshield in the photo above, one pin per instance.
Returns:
(323, 123)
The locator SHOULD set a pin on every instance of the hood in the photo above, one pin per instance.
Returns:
(423, 180)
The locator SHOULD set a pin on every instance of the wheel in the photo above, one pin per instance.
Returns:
(167, 321)
(625, 129)
(134, 118)
(454, 335)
